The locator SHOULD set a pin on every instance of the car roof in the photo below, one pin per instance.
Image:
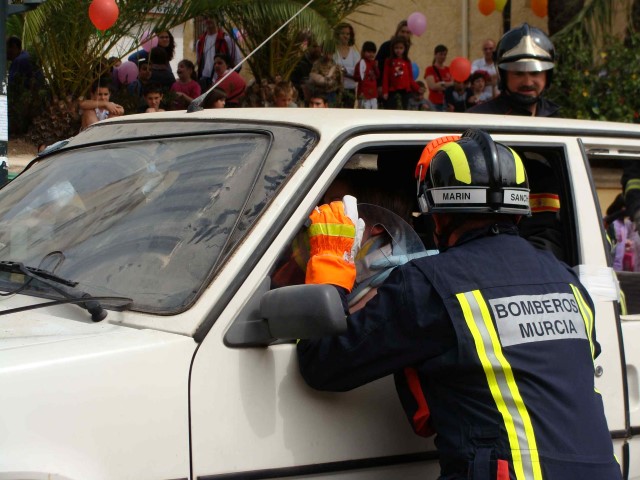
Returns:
(345, 119)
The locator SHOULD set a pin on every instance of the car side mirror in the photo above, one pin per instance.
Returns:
(287, 313)
(304, 311)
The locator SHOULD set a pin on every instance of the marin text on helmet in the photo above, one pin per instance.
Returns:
(475, 175)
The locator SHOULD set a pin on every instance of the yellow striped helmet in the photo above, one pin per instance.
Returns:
(475, 175)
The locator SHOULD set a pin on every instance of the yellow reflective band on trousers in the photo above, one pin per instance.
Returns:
(503, 387)
(587, 317)
(520, 175)
(459, 162)
(332, 230)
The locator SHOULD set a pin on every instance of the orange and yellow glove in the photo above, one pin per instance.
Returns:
(334, 237)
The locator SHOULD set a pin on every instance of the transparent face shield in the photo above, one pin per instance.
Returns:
(388, 242)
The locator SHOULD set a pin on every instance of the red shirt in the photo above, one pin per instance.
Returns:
(439, 74)
(398, 76)
(366, 73)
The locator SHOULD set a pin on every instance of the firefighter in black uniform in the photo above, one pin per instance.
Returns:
(500, 335)
(525, 58)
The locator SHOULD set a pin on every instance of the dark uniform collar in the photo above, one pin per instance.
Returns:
(544, 107)
(486, 231)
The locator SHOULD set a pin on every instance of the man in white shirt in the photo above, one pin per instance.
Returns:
(212, 42)
(487, 64)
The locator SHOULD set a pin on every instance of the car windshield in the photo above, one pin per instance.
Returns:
(151, 220)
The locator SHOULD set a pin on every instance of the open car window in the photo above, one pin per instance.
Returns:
(624, 239)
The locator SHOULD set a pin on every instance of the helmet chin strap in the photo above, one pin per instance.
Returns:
(521, 99)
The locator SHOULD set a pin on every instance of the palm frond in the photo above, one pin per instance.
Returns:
(593, 23)
(259, 20)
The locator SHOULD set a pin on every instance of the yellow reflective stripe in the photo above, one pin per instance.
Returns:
(623, 303)
(332, 230)
(459, 162)
(609, 241)
(587, 317)
(503, 387)
(633, 184)
(520, 175)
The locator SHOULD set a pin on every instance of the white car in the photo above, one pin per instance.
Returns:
(133, 343)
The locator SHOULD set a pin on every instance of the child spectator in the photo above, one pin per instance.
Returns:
(153, 97)
(233, 84)
(216, 98)
(456, 97)
(186, 87)
(137, 87)
(98, 107)
(283, 94)
(255, 96)
(417, 100)
(366, 73)
(317, 100)
(478, 81)
(326, 78)
(160, 70)
(625, 240)
(397, 78)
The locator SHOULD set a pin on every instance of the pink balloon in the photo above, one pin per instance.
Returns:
(417, 23)
(127, 72)
(149, 40)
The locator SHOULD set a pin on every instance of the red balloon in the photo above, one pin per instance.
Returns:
(103, 13)
(460, 69)
(486, 7)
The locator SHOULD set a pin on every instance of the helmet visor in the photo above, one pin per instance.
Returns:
(527, 65)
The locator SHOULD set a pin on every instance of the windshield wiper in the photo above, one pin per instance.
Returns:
(64, 287)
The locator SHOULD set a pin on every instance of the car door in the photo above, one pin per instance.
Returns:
(252, 415)
(608, 157)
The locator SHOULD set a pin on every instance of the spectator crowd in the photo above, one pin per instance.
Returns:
(345, 76)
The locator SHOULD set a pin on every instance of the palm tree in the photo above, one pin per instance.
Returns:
(258, 20)
(71, 50)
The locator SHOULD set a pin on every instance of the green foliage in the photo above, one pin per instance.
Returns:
(71, 49)
(258, 20)
(600, 86)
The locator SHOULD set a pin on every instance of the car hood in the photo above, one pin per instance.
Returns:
(41, 327)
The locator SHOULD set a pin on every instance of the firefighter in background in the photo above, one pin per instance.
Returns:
(525, 58)
(509, 397)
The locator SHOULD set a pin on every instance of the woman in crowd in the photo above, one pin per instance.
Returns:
(438, 78)
(346, 57)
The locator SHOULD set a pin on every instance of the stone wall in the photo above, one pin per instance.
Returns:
(458, 24)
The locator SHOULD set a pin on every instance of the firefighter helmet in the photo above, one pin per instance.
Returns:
(475, 175)
(525, 49)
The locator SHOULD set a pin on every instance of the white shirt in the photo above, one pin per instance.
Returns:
(208, 52)
(490, 68)
(349, 64)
